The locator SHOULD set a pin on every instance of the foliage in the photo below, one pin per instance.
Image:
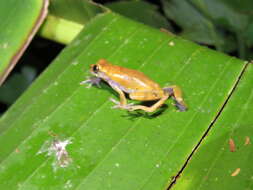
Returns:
(61, 135)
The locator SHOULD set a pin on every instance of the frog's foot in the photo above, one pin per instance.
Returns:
(181, 106)
(91, 81)
(176, 94)
(120, 106)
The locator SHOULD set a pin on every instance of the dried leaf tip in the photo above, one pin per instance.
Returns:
(236, 172)
(247, 141)
(232, 146)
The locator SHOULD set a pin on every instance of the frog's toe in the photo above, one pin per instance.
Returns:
(89, 84)
(132, 108)
(117, 103)
(120, 106)
(114, 101)
(91, 81)
(181, 106)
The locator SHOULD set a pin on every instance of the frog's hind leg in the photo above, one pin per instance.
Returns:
(151, 108)
(176, 93)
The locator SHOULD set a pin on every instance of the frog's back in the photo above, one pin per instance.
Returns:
(129, 78)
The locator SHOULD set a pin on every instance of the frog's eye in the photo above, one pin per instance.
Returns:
(95, 68)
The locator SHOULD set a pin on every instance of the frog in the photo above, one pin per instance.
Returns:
(136, 84)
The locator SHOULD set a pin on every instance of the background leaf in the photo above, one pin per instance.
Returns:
(80, 11)
(225, 13)
(195, 26)
(111, 147)
(19, 22)
(17, 84)
(140, 11)
(224, 24)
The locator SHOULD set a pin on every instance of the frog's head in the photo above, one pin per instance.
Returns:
(100, 68)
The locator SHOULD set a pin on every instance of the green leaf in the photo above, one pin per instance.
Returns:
(60, 30)
(67, 18)
(217, 165)
(140, 11)
(19, 22)
(228, 14)
(79, 11)
(112, 149)
(195, 26)
(224, 24)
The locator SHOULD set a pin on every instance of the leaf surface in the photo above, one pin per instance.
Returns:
(223, 160)
(112, 149)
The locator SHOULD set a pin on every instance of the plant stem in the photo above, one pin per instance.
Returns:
(59, 29)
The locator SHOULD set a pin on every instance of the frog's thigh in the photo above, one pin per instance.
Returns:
(144, 96)
(151, 108)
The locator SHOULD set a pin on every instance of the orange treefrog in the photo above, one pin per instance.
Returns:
(134, 83)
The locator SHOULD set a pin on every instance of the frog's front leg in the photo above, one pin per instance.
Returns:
(176, 93)
(92, 81)
(122, 104)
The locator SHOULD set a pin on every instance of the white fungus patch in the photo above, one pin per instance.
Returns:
(5, 45)
(171, 43)
(68, 184)
(87, 36)
(57, 149)
(42, 176)
(19, 185)
(99, 151)
(76, 43)
(126, 41)
(125, 60)
(2, 168)
(75, 62)
(117, 165)
(104, 29)
(45, 90)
